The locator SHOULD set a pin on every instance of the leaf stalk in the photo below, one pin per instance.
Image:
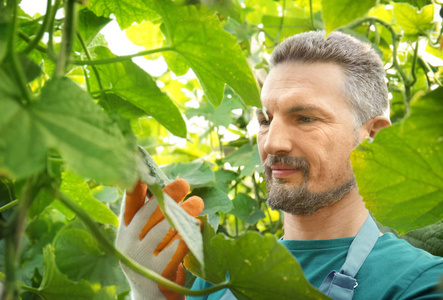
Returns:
(67, 38)
(120, 58)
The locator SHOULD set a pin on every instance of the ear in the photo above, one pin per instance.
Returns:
(369, 129)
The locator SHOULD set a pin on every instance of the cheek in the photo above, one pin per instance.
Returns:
(260, 143)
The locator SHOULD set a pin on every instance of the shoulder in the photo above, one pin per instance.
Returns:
(403, 271)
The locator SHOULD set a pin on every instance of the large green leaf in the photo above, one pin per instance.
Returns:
(77, 189)
(258, 267)
(196, 34)
(74, 247)
(412, 21)
(126, 11)
(64, 118)
(56, 286)
(131, 83)
(337, 13)
(400, 173)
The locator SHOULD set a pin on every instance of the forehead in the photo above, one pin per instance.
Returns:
(305, 84)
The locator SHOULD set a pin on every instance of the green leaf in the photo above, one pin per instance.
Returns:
(77, 189)
(256, 9)
(337, 13)
(126, 11)
(290, 27)
(412, 21)
(268, 273)
(215, 200)
(400, 173)
(197, 173)
(217, 116)
(246, 209)
(429, 238)
(131, 83)
(196, 34)
(247, 156)
(417, 3)
(88, 26)
(67, 119)
(76, 247)
(230, 8)
(56, 286)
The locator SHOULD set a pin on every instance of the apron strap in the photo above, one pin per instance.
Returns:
(341, 285)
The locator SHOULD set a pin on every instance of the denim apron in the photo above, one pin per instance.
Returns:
(340, 285)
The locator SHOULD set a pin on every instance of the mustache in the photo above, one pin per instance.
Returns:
(300, 163)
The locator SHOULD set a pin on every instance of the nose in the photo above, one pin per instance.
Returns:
(277, 138)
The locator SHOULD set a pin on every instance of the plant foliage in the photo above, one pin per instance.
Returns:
(74, 108)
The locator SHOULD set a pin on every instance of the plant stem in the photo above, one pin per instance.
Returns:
(120, 58)
(15, 63)
(414, 62)
(281, 22)
(41, 30)
(94, 69)
(27, 39)
(395, 42)
(9, 205)
(311, 12)
(14, 233)
(67, 37)
(50, 51)
(110, 248)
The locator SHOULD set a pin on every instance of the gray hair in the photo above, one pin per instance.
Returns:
(364, 85)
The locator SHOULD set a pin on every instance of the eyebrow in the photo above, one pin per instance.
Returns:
(297, 108)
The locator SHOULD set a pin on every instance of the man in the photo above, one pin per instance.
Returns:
(323, 97)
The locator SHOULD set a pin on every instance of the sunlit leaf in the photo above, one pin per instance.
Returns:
(192, 31)
(132, 84)
(76, 188)
(88, 26)
(126, 11)
(412, 21)
(337, 13)
(407, 191)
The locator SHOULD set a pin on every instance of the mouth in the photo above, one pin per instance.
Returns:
(281, 171)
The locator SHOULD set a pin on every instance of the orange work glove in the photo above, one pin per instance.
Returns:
(146, 236)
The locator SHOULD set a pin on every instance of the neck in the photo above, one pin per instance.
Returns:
(341, 219)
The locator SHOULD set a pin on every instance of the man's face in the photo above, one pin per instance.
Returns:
(306, 135)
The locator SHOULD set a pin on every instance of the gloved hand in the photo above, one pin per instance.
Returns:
(146, 236)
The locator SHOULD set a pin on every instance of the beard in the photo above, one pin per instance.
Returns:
(298, 200)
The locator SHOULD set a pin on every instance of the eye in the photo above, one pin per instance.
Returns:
(306, 119)
(264, 122)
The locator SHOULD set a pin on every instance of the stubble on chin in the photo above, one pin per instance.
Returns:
(298, 200)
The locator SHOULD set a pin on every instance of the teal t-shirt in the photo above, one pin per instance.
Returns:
(393, 270)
